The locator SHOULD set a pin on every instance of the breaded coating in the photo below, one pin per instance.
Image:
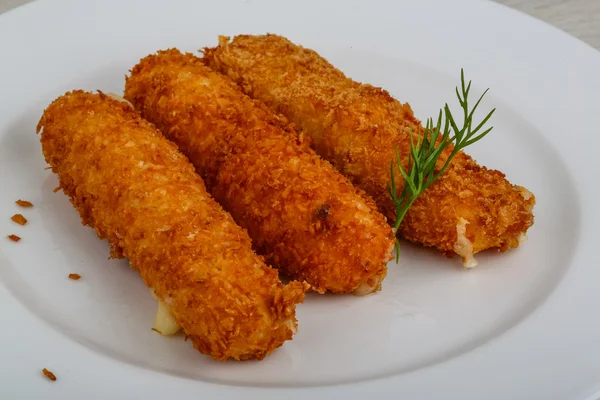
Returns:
(356, 127)
(137, 190)
(304, 216)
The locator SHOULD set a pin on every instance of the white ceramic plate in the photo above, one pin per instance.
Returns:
(523, 325)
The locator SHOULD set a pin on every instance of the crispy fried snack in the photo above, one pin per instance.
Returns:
(356, 126)
(300, 212)
(134, 187)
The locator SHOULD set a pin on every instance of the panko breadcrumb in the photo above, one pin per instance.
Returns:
(357, 127)
(48, 374)
(304, 216)
(14, 238)
(137, 190)
(75, 277)
(24, 203)
(19, 219)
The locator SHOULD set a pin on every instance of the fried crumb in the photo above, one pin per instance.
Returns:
(24, 203)
(14, 238)
(75, 277)
(49, 374)
(56, 189)
(47, 168)
(156, 330)
(19, 219)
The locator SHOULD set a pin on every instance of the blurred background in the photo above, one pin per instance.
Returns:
(580, 18)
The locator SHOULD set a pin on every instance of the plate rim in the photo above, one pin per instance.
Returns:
(570, 284)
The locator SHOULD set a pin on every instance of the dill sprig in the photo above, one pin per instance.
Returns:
(426, 150)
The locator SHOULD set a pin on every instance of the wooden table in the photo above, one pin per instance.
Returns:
(580, 18)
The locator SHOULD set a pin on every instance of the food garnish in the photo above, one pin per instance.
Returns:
(426, 150)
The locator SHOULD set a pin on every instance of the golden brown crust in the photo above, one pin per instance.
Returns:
(356, 126)
(134, 188)
(301, 213)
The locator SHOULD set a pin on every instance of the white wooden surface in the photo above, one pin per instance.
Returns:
(580, 18)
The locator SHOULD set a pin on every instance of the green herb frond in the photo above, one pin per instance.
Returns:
(426, 150)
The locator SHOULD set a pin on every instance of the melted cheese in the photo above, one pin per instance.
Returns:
(115, 96)
(365, 288)
(463, 246)
(164, 322)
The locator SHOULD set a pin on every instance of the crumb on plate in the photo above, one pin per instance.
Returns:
(24, 203)
(14, 238)
(56, 189)
(75, 277)
(49, 374)
(19, 219)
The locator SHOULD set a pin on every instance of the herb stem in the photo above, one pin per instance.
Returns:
(426, 150)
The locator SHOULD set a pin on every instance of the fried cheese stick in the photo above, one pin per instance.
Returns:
(357, 126)
(304, 216)
(137, 190)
